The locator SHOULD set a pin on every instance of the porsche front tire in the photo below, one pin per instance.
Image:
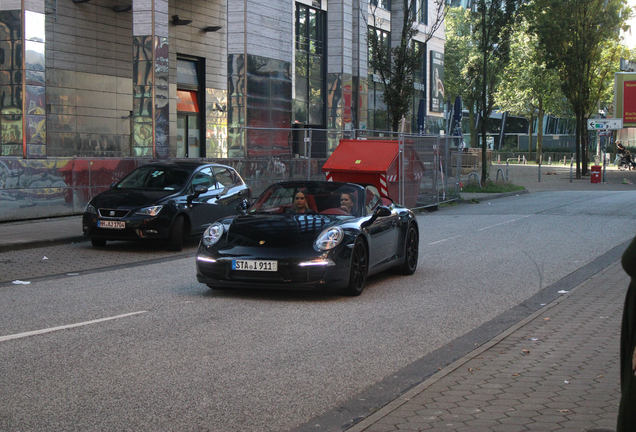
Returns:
(358, 269)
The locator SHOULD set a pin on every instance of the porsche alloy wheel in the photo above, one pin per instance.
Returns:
(359, 268)
(411, 252)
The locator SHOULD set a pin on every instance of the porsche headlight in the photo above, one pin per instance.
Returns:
(212, 234)
(90, 209)
(150, 211)
(329, 238)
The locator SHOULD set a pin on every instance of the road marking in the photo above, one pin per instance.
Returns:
(503, 223)
(480, 229)
(52, 329)
(444, 240)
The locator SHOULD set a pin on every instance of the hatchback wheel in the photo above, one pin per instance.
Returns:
(98, 242)
(175, 241)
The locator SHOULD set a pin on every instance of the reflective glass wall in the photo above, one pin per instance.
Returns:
(11, 79)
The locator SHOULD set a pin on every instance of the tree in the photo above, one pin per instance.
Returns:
(495, 20)
(528, 86)
(395, 65)
(572, 35)
(460, 56)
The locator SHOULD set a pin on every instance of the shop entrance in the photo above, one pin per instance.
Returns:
(188, 136)
(188, 125)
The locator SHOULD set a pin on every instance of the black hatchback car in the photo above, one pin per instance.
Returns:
(167, 201)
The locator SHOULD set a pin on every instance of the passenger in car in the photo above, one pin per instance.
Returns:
(300, 203)
(347, 202)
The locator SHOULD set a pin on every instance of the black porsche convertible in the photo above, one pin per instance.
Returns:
(310, 235)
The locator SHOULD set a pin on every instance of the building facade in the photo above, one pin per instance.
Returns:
(92, 83)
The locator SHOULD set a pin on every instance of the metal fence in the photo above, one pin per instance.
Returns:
(267, 156)
(31, 188)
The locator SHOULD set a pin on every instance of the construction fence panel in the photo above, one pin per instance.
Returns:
(273, 155)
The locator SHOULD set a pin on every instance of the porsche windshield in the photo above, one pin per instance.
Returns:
(319, 197)
(155, 178)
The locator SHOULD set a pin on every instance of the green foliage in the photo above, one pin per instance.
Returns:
(460, 57)
(510, 143)
(396, 66)
(495, 21)
(573, 36)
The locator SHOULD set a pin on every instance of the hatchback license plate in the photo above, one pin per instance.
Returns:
(111, 224)
(255, 265)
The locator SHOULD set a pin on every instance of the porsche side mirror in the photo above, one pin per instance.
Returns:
(382, 211)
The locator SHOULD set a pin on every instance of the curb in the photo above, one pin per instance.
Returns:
(42, 243)
(487, 197)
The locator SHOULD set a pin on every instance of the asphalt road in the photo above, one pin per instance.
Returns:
(190, 359)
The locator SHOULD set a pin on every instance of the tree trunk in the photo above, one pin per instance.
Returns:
(530, 136)
(584, 149)
(474, 138)
(579, 121)
(540, 128)
(484, 101)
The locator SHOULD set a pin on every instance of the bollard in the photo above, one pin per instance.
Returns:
(550, 160)
(539, 171)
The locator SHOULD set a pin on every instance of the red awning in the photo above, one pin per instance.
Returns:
(187, 101)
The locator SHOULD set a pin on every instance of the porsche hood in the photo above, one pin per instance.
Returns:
(277, 230)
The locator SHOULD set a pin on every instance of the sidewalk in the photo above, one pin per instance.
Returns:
(40, 232)
(556, 370)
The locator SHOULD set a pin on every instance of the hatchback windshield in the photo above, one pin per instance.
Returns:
(155, 178)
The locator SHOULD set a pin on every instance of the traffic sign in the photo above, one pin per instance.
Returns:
(607, 124)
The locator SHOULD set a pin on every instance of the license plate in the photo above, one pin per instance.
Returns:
(255, 265)
(111, 224)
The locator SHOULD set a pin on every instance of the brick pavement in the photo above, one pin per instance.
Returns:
(556, 370)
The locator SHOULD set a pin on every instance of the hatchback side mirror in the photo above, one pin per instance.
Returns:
(243, 206)
(199, 190)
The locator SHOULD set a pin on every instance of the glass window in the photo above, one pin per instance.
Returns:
(377, 111)
(224, 176)
(310, 63)
(155, 178)
(203, 178)
(422, 11)
(384, 4)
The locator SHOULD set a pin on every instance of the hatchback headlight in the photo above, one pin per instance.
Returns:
(329, 238)
(212, 234)
(90, 209)
(150, 211)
